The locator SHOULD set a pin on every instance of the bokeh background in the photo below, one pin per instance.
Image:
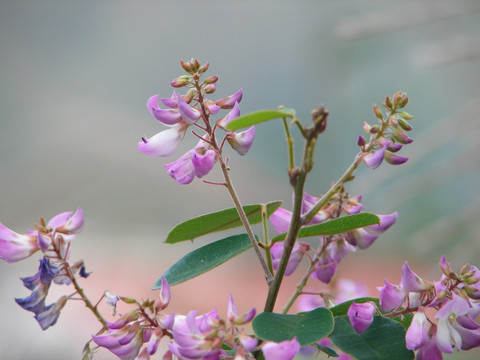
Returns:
(74, 79)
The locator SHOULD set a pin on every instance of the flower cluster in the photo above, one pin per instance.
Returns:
(53, 240)
(193, 109)
(389, 135)
(454, 300)
(332, 249)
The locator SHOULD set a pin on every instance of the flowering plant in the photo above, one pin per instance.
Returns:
(417, 315)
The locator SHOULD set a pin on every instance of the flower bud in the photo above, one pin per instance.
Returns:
(405, 115)
(366, 127)
(361, 316)
(401, 137)
(377, 112)
(196, 65)
(361, 141)
(388, 102)
(188, 97)
(210, 88)
(404, 125)
(204, 68)
(180, 81)
(211, 79)
(187, 66)
(400, 100)
(374, 129)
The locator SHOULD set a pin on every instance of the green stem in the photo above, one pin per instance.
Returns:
(291, 159)
(246, 224)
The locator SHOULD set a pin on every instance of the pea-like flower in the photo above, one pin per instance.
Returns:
(285, 350)
(361, 316)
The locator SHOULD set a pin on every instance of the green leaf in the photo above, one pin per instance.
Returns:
(383, 340)
(218, 221)
(258, 117)
(204, 259)
(308, 327)
(335, 226)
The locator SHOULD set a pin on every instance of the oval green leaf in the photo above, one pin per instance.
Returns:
(258, 117)
(204, 259)
(383, 340)
(335, 226)
(308, 327)
(218, 221)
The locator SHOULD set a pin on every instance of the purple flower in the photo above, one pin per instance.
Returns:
(182, 169)
(189, 114)
(429, 351)
(179, 111)
(15, 247)
(361, 316)
(67, 223)
(285, 350)
(299, 249)
(281, 220)
(35, 302)
(164, 297)
(391, 296)
(49, 316)
(374, 159)
(233, 316)
(203, 160)
(326, 268)
(456, 327)
(242, 141)
(394, 159)
(412, 282)
(417, 333)
(124, 343)
(234, 113)
(193, 338)
(229, 101)
(164, 143)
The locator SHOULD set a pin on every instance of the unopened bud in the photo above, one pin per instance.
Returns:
(465, 270)
(401, 137)
(404, 125)
(374, 129)
(400, 99)
(195, 65)
(187, 66)
(211, 79)
(204, 68)
(378, 113)
(388, 102)
(472, 292)
(188, 97)
(361, 141)
(210, 88)
(405, 115)
(366, 127)
(180, 81)
(128, 300)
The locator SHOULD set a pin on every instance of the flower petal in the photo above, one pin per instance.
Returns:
(162, 144)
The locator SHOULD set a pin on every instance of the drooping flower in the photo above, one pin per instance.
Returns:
(412, 282)
(391, 296)
(15, 247)
(232, 313)
(164, 143)
(456, 328)
(242, 141)
(49, 316)
(417, 333)
(299, 249)
(229, 101)
(361, 316)
(375, 159)
(285, 350)
(234, 113)
(124, 343)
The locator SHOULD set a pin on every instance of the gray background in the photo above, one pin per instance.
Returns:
(74, 79)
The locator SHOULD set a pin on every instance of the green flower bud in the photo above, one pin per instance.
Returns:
(378, 113)
(405, 115)
(404, 125)
(211, 79)
(400, 99)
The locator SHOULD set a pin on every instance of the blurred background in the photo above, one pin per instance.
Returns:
(74, 80)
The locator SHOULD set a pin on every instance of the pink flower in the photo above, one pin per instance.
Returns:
(14, 246)
(242, 141)
(229, 101)
(374, 159)
(417, 333)
(299, 249)
(124, 343)
(233, 316)
(234, 113)
(391, 296)
(412, 282)
(361, 316)
(285, 350)
(164, 143)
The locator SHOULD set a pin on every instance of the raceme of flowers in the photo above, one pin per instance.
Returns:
(193, 110)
